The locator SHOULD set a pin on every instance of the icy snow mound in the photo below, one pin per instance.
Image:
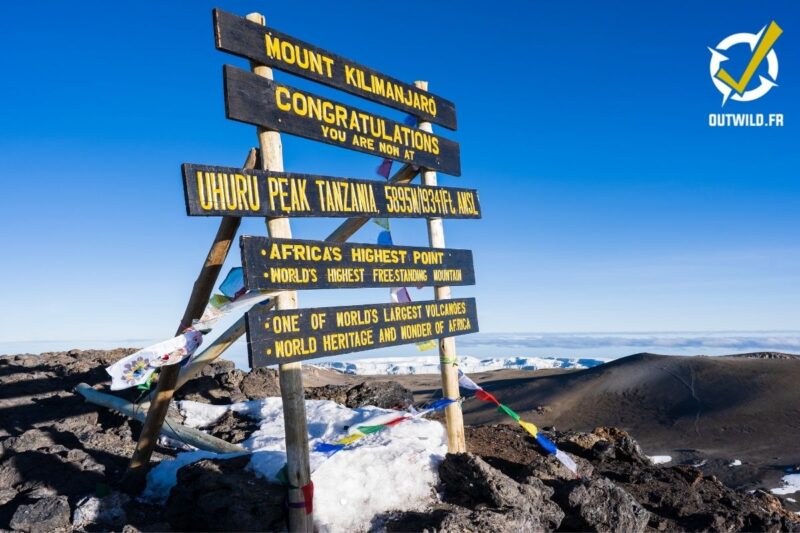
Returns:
(791, 484)
(395, 469)
(430, 364)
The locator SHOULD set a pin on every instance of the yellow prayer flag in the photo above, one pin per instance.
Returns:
(530, 428)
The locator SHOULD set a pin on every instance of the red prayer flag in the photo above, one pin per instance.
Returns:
(486, 397)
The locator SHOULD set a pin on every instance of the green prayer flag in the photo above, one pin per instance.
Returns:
(382, 222)
(508, 411)
(366, 430)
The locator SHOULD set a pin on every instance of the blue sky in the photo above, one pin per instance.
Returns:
(609, 203)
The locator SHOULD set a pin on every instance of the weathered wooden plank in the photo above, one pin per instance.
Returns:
(255, 100)
(214, 191)
(280, 264)
(267, 46)
(280, 336)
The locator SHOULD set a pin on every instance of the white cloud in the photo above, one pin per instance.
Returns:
(682, 341)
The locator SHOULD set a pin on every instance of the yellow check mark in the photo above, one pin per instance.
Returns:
(767, 41)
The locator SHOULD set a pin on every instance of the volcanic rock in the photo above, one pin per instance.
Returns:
(47, 515)
(234, 427)
(107, 512)
(384, 394)
(222, 495)
(600, 505)
(471, 483)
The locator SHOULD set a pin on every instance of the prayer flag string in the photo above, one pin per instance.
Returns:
(547, 445)
(377, 424)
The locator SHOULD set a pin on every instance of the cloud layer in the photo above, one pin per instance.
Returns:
(694, 341)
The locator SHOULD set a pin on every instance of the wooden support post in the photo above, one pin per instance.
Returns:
(447, 346)
(291, 376)
(134, 478)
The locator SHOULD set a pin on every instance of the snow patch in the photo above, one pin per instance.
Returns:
(736, 462)
(395, 469)
(660, 459)
(430, 364)
(791, 484)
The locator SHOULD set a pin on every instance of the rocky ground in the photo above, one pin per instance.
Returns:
(61, 458)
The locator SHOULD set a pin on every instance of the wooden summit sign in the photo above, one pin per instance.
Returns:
(278, 264)
(267, 46)
(257, 100)
(289, 335)
(236, 192)
(283, 336)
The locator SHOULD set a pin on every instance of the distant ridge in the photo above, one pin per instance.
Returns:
(395, 366)
(765, 355)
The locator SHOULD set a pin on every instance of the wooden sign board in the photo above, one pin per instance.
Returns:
(293, 264)
(278, 337)
(228, 191)
(267, 46)
(256, 100)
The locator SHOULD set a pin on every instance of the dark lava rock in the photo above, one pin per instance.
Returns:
(471, 483)
(107, 512)
(600, 505)
(218, 366)
(682, 498)
(44, 516)
(33, 439)
(511, 520)
(261, 383)
(385, 394)
(620, 445)
(334, 393)
(222, 383)
(53, 444)
(234, 427)
(219, 383)
(678, 498)
(222, 495)
(479, 497)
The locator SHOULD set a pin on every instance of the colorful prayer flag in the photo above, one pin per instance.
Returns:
(399, 295)
(385, 238)
(384, 169)
(426, 345)
(137, 368)
(233, 284)
(465, 382)
(382, 222)
(212, 314)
